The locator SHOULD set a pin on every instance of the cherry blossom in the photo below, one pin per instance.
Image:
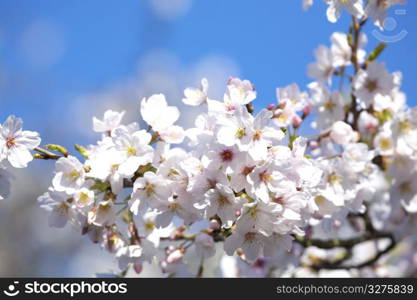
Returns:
(16, 144)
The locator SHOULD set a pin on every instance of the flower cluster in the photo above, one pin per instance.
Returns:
(240, 175)
(375, 9)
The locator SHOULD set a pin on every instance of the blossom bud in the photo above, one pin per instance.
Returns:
(342, 133)
(57, 148)
(337, 223)
(306, 111)
(271, 107)
(170, 249)
(137, 267)
(313, 144)
(214, 224)
(182, 228)
(175, 256)
(296, 121)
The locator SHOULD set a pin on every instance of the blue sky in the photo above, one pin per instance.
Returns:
(54, 51)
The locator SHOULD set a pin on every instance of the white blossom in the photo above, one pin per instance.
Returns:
(69, 175)
(149, 189)
(221, 201)
(196, 96)
(111, 120)
(16, 144)
(323, 69)
(373, 82)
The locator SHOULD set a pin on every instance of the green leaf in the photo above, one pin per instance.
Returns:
(57, 148)
(38, 156)
(82, 150)
(376, 52)
(383, 116)
(292, 139)
(100, 186)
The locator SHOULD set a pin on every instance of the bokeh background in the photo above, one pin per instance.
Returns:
(62, 62)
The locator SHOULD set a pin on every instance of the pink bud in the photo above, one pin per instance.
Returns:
(296, 121)
(370, 127)
(164, 265)
(175, 256)
(271, 107)
(170, 249)
(259, 263)
(306, 111)
(137, 267)
(414, 260)
(313, 144)
(214, 224)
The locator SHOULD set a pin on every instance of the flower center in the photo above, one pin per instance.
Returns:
(83, 199)
(230, 107)
(385, 144)
(173, 206)
(259, 263)
(371, 85)
(253, 211)
(405, 188)
(131, 151)
(334, 178)
(240, 133)
(226, 155)
(405, 126)
(149, 226)
(257, 136)
(264, 176)
(173, 172)
(250, 237)
(329, 105)
(278, 200)
(320, 200)
(382, 3)
(10, 142)
(62, 208)
(149, 189)
(247, 170)
(74, 175)
(223, 200)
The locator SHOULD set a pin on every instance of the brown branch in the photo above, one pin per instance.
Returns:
(250, 108)
(335, 243)
(356, 27)
(369, 262)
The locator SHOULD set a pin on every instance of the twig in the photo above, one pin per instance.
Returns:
(339, 264)
(45, 154)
